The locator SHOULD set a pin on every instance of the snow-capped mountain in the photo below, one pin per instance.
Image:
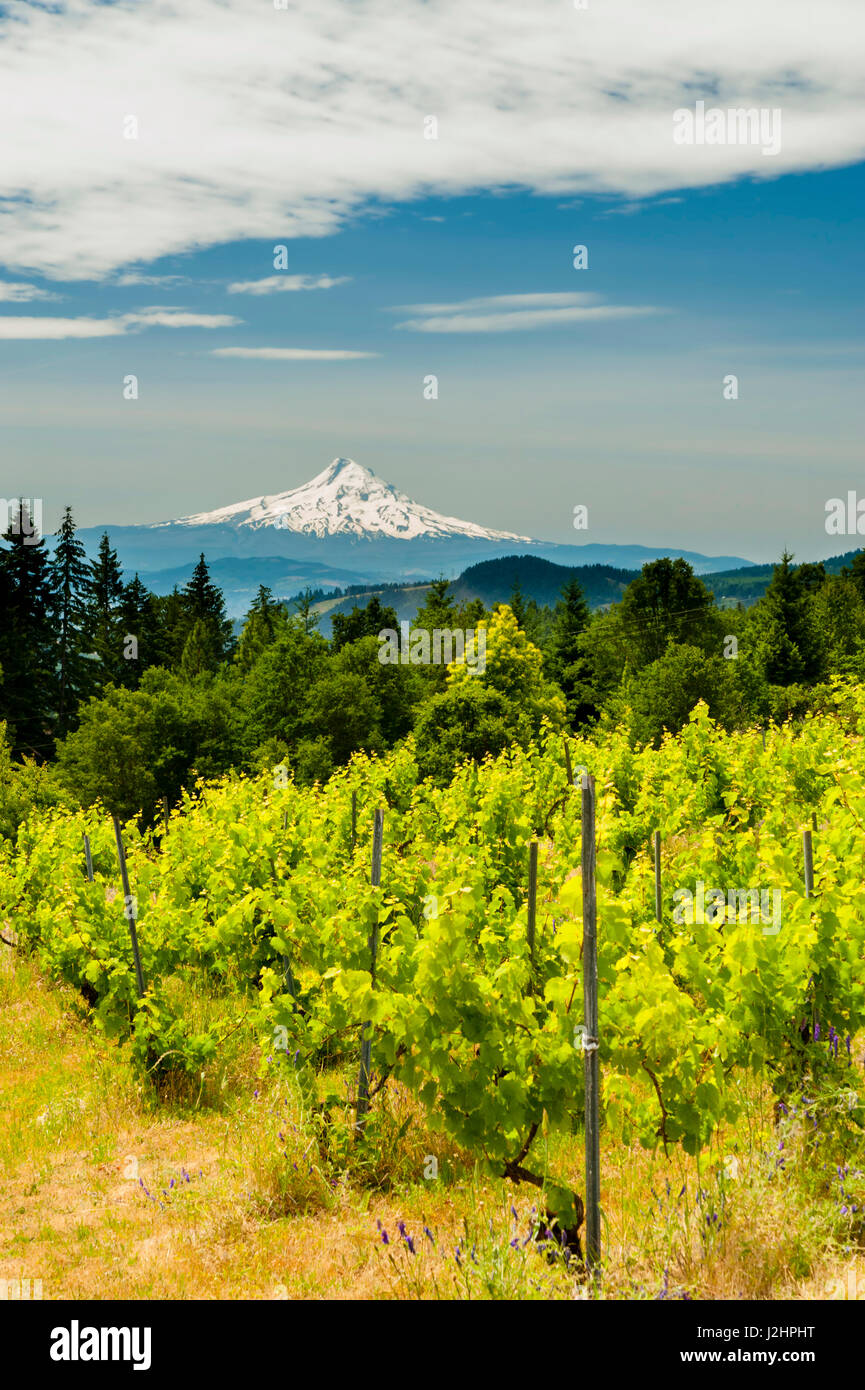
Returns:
(346, 526)
(346, 500)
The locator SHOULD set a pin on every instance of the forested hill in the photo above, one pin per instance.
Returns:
(493, 581)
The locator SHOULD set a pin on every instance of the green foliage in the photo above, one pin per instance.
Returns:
(257, 882)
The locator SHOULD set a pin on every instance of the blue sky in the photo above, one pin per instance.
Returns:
(620, 409)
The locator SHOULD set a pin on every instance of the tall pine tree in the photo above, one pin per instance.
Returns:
(205, 606)
(139, 622)
(28, 637)
(567, 663)
(105, 615)
(70, 579)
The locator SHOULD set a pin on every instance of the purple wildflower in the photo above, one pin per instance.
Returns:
(429, 1235)
(385, 1238)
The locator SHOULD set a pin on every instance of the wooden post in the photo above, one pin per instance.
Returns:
(813, 820)
(127, 906)
(809, 863)
(657, 847)
(533, 900)
(568, 767)
(88, 858)
(285, 820)
(165, 813)
(590, 1040)
(353, 821)
(366, 1043)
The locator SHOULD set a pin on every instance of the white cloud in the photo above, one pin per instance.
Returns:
(510, 313)
(276, 284)
(16, 327)
(257, 123)
(275, 354)
(135, 277)
(12, 293)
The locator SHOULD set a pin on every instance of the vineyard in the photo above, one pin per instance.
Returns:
(256, 915)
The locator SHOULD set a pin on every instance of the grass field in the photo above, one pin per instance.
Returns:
(109, 1192)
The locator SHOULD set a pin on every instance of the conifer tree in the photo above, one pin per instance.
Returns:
(204, 603)
(28, 637)
(139, 632)
(567, 663)
(70, 578)
(789, 642)
(105, 617)
(265, 622)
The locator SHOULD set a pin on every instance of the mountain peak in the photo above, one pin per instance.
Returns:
(346, 499)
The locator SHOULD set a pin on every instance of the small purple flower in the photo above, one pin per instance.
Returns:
(514, 1213)
(816, 1032)
(514, 1244)
(281, 1137)
(255, 1095)
(385, 1238)
(429, 1235)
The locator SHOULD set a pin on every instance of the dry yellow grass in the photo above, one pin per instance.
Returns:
(108, 1193)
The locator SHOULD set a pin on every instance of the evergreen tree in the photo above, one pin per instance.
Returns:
(517, 604)
(265, 622)
(567, 662)
(789, 643)
(201, 651)
(362, 622)
(304, 614)
(70, 578)
(170, 628)
(104, 617)
(139, 624)
(204, 603)
(28, 650)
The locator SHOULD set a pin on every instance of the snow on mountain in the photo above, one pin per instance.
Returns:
(347, 500)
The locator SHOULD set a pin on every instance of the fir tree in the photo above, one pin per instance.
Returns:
(518, 604)
(70, 578)
(567, 662)
(28, 638)
(789, 642)
(138, 621)
(106, 591)
(204, 603)
(265, 622)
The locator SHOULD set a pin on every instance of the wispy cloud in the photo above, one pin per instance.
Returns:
(511, 313)
(280, 284)
(136, 277)
(13, 326)
(251, 117)
(275, 354)
(12, 293)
